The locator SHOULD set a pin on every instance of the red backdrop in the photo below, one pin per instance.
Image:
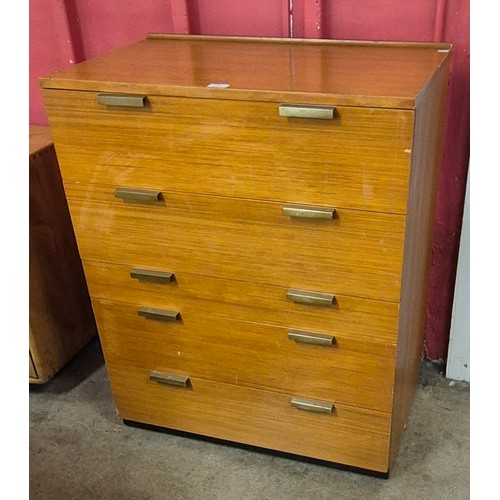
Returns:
(63, 32)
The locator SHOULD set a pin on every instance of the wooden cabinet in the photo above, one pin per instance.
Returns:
(254, 218)
(61, 317)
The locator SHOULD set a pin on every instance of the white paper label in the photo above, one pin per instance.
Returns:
(218, 85)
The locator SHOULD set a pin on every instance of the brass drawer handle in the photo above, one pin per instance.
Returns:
(169, 379)
(135, 194)
(305, 212)
(122, 100)
(152, 276)
(311, 338)
(310, 298)
(307, 111)
(158, 314)
(312, 405)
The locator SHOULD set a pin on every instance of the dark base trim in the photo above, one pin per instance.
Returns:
(282, 454)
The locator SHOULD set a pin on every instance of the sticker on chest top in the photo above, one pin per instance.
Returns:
(218, 85)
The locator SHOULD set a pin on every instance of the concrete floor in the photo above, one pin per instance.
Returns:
(79, 449)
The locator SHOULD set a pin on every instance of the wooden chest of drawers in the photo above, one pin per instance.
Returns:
(254, 218)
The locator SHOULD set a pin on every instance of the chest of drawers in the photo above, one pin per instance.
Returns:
(254, 219)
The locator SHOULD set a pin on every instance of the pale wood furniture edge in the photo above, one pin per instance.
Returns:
(426, 156)
(305, 41)
(60, 317)
(32, 370)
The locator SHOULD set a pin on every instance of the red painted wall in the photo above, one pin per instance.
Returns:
(47, 53)
(65, 31)
(108, 25)
(451, 194)
(240, 17)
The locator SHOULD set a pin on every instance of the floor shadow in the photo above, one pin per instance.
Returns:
(76, 371)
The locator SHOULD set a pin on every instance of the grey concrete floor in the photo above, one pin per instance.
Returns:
(79, 449)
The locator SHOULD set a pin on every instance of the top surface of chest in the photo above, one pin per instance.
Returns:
(348, 73)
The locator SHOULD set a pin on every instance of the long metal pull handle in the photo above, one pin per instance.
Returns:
(152, 275)
(307, 111)
(312, 405)
(158, 314)
(169, 379)
(311, 298)
(306, 212)
(311, 338)
(122, 100)
(136, 194)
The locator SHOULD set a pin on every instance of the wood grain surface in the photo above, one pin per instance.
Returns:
(32, 370)
(368, 74)
(358, 253)
(350, 317)
(418, 246)
(353, 436)
(60, 314)
(353, 372)
(360, 159)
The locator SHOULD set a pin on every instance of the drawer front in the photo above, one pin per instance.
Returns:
(351, 371)
(356, 253)
(347, 316)
(359, 159)
(350, 436)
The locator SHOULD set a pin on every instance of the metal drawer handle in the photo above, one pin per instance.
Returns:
(158, 314)
(305, 212)
(307, 111)
(122, 100)
(311, 338)
(169, 379)
(311, 298)
(135, 194)
(312, 405)
(152, 276)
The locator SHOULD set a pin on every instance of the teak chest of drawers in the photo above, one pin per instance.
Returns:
(254, 217)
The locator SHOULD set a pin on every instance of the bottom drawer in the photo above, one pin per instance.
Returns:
(348, 435)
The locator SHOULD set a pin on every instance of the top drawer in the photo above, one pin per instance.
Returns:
(358, 159)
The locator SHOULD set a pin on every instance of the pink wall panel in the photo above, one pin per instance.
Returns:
(110, 24)
(406, 20)
(240, 17)
(47, 52)
(62, 31)
(452, 183)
